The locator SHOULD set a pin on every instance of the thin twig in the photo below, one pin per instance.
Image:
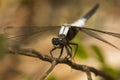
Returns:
(49, 70)
(73, 65)
(88, 73)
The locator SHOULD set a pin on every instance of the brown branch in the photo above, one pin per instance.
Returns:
(33, 53)
(88, 73)
(49, 70)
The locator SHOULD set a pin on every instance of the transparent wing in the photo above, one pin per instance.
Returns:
(104, 32)
(91, 32)
(28, 34)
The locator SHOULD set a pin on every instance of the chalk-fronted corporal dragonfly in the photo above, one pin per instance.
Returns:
(67, 32)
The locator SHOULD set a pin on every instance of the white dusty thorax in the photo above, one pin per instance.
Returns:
(64, 30)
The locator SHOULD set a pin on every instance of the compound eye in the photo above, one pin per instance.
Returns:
(55, 41)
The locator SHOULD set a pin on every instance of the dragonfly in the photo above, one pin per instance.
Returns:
(67, 32)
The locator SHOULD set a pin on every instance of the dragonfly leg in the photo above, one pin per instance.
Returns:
(70, 48)
(61, 52)
(69, 54)
(75, 48)
(52, 51)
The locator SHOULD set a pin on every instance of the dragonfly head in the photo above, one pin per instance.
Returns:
(58, 42)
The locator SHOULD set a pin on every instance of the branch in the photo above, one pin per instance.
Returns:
(33, 53)
(88, 73)
(49, 70)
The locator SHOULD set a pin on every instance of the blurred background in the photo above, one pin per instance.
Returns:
(91, 52)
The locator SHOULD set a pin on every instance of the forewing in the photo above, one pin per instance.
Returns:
(27, 34)
(104, 32)
(91, 33)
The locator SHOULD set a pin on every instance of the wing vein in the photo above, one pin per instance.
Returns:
(96, 36)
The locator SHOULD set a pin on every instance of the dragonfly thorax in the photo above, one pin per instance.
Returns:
(64, 30)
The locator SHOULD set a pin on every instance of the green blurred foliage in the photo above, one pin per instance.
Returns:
(51, 77)
(110, 70)
(99, 53)
(103, 64)
(81, 52)
(2, 46)
(24, 78)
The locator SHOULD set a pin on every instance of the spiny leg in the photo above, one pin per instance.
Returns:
(70, 47)
(61, 52)
(69, 54)
(52, 51)
(75, 48)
